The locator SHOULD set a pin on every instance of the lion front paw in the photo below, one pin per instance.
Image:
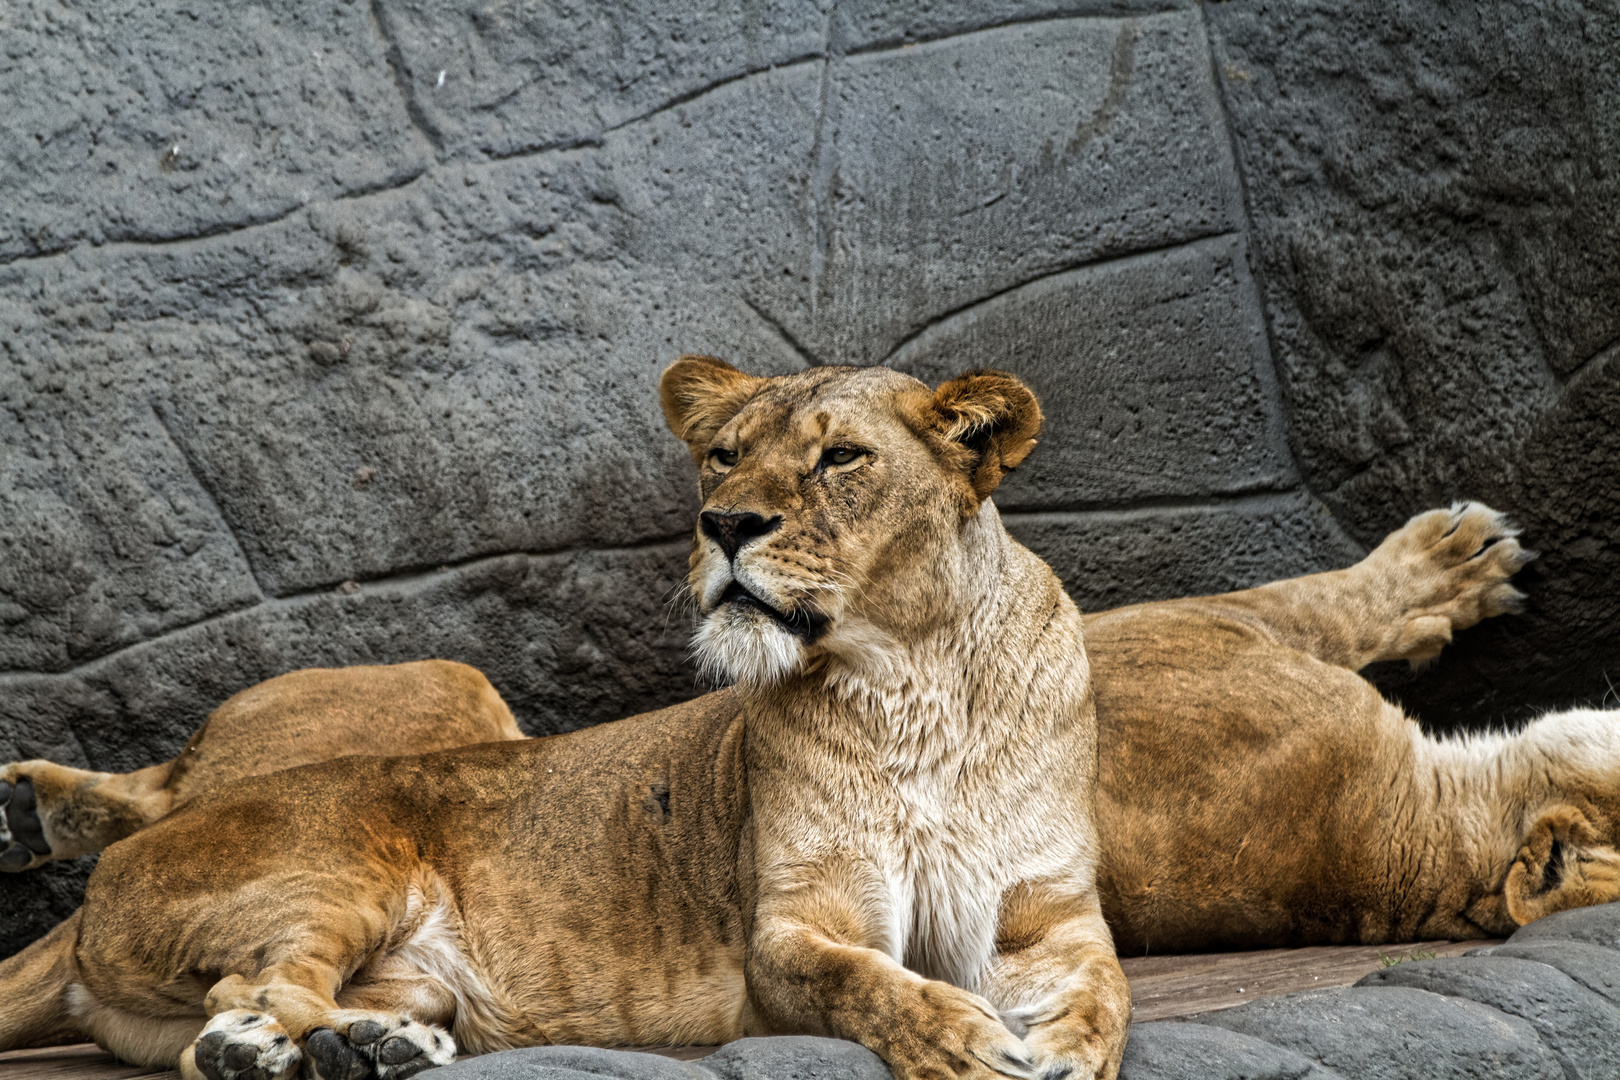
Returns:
(376, 1046)
(1451, 569)
(1078, 1036)
(22, 834)
(950, 1034)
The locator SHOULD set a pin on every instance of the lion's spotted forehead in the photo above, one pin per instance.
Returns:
(824, 400)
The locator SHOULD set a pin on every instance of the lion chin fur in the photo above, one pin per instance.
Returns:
(745, 647)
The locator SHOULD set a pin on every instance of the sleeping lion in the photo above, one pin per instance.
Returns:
(1252, 791)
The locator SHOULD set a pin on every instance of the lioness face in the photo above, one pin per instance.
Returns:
(834, 501)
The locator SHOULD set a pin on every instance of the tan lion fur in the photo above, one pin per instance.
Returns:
(623, 884)
(1252, 791)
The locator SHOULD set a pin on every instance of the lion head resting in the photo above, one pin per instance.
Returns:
(830, 498)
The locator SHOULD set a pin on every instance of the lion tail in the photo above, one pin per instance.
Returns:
(33, 988)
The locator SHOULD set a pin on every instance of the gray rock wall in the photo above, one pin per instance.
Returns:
(294, 297)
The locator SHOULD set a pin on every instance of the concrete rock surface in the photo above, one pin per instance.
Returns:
(296, 300)
(1433, 206)
(788, 1057)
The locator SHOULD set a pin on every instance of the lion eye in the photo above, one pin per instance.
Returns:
(840, 455)
(722, 459)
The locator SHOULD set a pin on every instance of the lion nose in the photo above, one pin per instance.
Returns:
(732, 531)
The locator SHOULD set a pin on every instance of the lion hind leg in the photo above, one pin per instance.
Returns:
(1565, 861)
(50, 811)
(288, 1016)
(34, 987)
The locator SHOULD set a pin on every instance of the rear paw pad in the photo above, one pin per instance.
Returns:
(21, 835)
(241, 1044)
(387, 1048)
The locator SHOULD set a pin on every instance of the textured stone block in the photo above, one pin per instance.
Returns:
(1178, 1051)
(795, 1057)
(1599, 925)
(1435, 222)
(440, 397)
(155, 119)
(106, 535)
(1581, 1027)
(1152, 372)
(1593, 966)
(1396, 1033)
(950, 171)
(1109, 559)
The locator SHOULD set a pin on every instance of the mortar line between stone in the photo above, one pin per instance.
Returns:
(159, 243)
(213, 502)
(594, 138)
(1279, 389)
(1071, 15)
(1066, 268)
(1251, 498)
(293, 600)
(394, 57)
(1603, 353)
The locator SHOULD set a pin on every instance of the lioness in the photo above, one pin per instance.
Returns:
(1253, 791)
(885, 832)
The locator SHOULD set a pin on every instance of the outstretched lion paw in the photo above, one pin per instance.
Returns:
(242, 1044)
(366, 1045)
(22, 834)
(1451, 569)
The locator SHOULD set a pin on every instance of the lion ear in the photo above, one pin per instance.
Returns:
(993, 418)
(699, 395)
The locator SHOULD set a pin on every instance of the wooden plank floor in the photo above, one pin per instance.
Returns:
(1162, 987)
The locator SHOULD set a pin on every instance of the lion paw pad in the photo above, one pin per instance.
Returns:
(380, 1047)
(242, 1044)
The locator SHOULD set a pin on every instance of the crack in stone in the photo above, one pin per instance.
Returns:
(397, 69)
(781, 331)
(1258, 497)
(1278, 388)
(1120, 65)
(397, 578)
(213, 503)
(1076, 14)
(223, 228)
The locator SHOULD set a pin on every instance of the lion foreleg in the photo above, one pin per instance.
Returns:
(1441, 572)
(1056, 977)
(812, 969)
